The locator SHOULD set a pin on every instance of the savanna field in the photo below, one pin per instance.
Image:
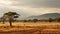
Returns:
(30, 28)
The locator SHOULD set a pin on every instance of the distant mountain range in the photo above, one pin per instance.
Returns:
(45, 16)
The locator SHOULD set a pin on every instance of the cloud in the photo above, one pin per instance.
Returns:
(37, 3)
(32, 3)
(5, 2)
(31, 7)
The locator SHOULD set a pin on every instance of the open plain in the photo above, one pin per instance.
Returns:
(30, 28)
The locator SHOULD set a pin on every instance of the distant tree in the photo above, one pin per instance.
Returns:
(11, 16)
(50, 19)
(29, 20)
(35, 20)
(58, 19)
(25, 20)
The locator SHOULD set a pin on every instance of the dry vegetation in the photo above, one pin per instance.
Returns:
(30, 28)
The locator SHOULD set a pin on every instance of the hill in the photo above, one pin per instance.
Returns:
(45, 16)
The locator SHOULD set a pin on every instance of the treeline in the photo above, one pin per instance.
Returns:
(37, 20)
(43, 20)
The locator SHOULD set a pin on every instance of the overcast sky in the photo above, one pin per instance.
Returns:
(30, 7)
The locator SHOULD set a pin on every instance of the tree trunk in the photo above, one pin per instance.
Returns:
(10, 23)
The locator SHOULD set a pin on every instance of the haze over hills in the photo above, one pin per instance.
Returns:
(45, 16)
(25, 15)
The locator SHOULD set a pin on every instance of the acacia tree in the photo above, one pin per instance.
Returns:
(11, 16)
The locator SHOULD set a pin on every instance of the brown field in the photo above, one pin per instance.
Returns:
(30, 28)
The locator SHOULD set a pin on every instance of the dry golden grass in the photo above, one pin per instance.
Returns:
(31, 28)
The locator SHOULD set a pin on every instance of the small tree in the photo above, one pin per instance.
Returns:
(29, 20)
(35, 20)
(25, 20)
(50, 19)
(58, 19)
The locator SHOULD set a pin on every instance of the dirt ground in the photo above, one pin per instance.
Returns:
(30, 28)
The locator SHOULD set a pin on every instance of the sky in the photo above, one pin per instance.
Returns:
(30, 7)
